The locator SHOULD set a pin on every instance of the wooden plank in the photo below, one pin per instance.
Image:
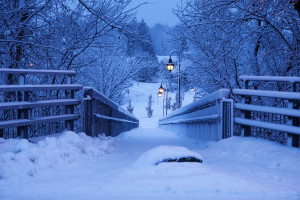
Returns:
(31, 71)
(14, 88)
(292, 79)
(26, 104)
(266, 109)
(267, 93)
(27, 122)
(268, 125)
(114, 119)
(190, 120)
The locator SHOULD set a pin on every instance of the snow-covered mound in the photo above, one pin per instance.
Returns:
(254, 151)
(163, 153)
(19, 157)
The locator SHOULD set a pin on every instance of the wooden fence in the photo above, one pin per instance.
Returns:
(28, 110)
(267, 113)
(31, 104)
(209, 118)
(102, 116)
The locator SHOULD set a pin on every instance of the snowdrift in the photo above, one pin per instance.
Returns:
(164, 153)
(19, 157)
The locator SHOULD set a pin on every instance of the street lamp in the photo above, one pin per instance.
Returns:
(161, 89)
(170, 67)
(165, 97)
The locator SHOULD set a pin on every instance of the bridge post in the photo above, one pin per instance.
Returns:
(246, 130)
(293, 140)
(22, 131)
(87, 113)
(70, 108)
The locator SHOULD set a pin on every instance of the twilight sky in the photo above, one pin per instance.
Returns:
(157, 11)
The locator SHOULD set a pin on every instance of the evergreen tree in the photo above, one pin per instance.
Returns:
(149, 107)
(132, 38)
(169, 103)
(174, 105)
(130, 107)
(145, 41)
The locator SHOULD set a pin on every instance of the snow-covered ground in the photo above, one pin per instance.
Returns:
(75, 166)
(139, 94)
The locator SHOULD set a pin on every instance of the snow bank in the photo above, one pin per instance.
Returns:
(254, 151)
(161, 153)
(19, 157)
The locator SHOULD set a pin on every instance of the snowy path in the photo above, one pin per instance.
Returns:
(237, 168)
(78, 167)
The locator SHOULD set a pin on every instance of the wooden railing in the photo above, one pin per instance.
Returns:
(209, 118)
(102, 116)
(267, 113)
(28, 108)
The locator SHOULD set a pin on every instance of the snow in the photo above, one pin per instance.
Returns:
(30, 71)
(76, 166)
(268, 109)
(161, 153)
(20, 158)
(270, 78)
(222, 93)
(268, 125)
(267, 93)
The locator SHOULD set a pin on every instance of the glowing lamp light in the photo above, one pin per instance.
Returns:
(192, 89)
(170, 65)
(161, 89)
(159, 94)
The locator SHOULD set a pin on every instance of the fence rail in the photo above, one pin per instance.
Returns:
(28, 110)
(209, 118)
(270, 121)
(101, 115)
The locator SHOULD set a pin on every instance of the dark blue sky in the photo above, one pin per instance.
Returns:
(157, 11)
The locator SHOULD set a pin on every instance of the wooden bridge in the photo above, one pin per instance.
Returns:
(28, 109)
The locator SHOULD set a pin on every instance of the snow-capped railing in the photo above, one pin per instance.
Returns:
(209, 118)
(278, 121)
(28, 110)
(32, 109)
(101, 115)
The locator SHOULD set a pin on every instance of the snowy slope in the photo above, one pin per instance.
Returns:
(75, 166)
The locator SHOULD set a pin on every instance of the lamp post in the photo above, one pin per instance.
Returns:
(170, 67)
(165, 97)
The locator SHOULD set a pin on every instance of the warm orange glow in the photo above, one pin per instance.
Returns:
(159, 94)
(192, 89)
(30, 64)
(161, 89)
(170, 67)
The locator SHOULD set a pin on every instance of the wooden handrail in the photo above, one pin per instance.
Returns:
(13, 88)
(291, 79)
(38, 72)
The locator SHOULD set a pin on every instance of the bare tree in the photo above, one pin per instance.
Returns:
(233, 37)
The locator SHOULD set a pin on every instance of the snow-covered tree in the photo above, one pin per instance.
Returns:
(229, 38)
(130, 108)
(149, 107)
